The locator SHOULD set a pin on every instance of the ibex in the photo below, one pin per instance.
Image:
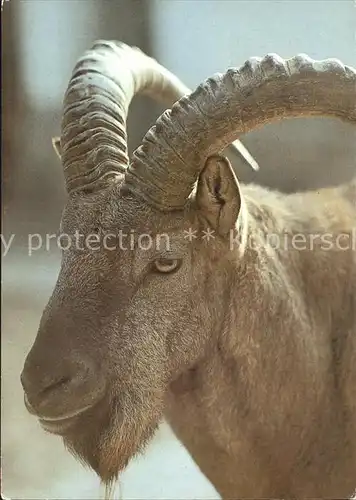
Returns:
(246, 348)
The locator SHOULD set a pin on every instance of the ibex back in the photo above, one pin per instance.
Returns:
(182, 306)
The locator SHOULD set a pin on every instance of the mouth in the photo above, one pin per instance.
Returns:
(61, 424)
(58, 425)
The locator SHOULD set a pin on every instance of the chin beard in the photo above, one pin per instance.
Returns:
(108, 438)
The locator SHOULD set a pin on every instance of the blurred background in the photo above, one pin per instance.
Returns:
(41, 40)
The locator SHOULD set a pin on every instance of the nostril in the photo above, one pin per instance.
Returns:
(51, 386)
(55, 390)
(59, 384)
(38, 388)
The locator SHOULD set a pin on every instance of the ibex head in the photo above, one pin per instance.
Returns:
(130, 313)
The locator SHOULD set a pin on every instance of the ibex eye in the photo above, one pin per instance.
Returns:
(166, 265)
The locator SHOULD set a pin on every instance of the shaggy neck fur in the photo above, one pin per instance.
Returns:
(268, 411)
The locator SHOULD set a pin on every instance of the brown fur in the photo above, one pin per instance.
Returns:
(249, 355)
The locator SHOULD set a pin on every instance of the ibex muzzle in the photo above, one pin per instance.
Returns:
(63, 381)
(248, 351)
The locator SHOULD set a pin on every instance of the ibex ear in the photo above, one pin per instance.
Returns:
(56, 142)
(218, 194)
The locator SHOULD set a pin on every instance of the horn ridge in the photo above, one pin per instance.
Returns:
(93, 131)
(227, 105)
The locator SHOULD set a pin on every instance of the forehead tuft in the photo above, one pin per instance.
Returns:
(109, 210)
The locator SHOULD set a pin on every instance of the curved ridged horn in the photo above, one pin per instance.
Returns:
(166, 165)
(103, 83)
